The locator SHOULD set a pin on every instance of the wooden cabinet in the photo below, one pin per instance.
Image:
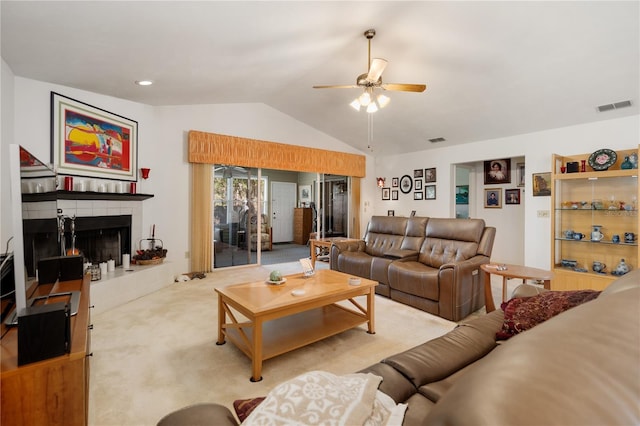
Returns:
(302, 222)
(592, 212)
(54, 391)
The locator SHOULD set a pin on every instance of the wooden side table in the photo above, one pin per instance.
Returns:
(509, 272)
(322, 243)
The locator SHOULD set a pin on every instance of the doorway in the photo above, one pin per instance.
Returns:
(283, 201)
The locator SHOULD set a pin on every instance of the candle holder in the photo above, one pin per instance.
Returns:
(144, 172)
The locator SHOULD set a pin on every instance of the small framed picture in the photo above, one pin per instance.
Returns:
(497, 171)
(430, 175)
(417, 185)
(391, 212)
(520, 174)
(394, 182)
(417, 173)
(386, 194)
(417, 195)
(394, 194)
(429, 192)
(512, 196)
(493, 198)
(541, 184)
(462, 194)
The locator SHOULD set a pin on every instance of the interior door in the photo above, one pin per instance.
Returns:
(283, 201)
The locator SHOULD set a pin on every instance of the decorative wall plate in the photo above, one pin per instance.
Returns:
(602, 159)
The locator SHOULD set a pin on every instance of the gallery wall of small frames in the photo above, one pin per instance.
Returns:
(421, 185)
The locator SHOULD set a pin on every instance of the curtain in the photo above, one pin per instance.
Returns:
(201, 217)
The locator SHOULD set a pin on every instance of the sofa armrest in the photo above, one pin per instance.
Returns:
(398, 254)
(338, 247)
(461, 287)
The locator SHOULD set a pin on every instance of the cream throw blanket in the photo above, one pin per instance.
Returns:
(321, 398)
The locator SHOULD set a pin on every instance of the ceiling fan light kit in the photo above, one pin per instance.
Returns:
(373, 80)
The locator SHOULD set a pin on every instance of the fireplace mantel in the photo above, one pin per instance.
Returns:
(86, 195)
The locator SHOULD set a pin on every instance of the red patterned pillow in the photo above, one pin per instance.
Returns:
(523, 313)
(244, 407)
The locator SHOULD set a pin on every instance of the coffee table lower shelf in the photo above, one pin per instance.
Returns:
(292, 332)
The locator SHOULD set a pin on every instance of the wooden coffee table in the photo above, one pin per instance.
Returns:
(265, 320)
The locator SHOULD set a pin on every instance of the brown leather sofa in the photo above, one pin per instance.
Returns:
(432, 264)
(580, 367)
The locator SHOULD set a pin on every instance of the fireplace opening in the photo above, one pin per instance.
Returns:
(97, 239)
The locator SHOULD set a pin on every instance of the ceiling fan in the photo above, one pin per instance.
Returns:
(372, 80)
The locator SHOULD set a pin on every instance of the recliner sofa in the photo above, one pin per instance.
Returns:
(432, 264)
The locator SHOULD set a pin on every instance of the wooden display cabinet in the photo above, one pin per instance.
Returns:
(582, 200)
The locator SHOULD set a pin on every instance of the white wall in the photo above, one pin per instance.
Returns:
(163, 148)
(536, 148)
(6, 132)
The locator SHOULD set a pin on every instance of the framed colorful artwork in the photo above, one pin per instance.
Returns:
(89, 141)
(462, 194)
(493, 198)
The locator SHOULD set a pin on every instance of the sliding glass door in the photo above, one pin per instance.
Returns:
(239, 210)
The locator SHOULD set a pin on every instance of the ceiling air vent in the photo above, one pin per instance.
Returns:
(616, 105)
(436, 140)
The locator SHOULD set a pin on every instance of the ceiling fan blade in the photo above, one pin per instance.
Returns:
(351, 86)
(375, 70)
(404, 87)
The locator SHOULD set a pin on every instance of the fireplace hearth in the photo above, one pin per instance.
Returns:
(98, 239)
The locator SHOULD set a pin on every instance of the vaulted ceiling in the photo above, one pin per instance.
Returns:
(492, 69)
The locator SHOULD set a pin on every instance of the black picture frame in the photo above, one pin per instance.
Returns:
(418, 173)
(391, 212)
(418, 195)
(512, 196)
(394, 194)
(429, 192)
(430, 175)
(394, 182)
(417, 184)
(386, 194)
(406, 184)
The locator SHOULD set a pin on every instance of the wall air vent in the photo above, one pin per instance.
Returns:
(436, 140)
(615, 105)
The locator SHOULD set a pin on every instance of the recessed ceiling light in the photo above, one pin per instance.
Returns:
(144, 82)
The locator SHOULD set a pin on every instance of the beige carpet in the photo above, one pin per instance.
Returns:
(158, 353)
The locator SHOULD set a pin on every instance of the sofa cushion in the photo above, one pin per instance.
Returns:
(415, 279)
(524, 313)
(436, 252)
(355, 263)
(383, 234)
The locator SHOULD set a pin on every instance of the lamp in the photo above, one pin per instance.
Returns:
(369, 101)
(380, 182)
